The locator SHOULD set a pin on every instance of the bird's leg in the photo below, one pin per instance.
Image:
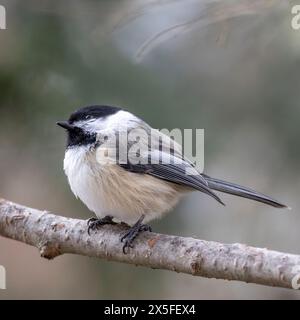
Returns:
(94, 223)
(133, 232)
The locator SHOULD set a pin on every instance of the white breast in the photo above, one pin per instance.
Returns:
(82, 180)
(111, 190)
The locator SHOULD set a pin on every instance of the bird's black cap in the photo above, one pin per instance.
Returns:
(90, 112)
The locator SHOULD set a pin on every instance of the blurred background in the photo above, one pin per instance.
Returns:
(230, 67)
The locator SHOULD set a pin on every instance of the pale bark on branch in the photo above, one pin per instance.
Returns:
(55, 235)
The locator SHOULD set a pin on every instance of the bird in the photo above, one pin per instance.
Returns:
(133, 192)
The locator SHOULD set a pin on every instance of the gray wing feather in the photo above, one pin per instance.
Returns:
(175, 173)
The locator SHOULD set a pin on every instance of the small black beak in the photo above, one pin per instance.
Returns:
(65, 125)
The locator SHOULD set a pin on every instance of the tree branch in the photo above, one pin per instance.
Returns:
(54, 235)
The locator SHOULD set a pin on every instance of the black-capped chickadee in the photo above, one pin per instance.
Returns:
(132, 191)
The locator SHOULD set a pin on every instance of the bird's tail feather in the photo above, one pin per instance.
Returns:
(241, 191)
